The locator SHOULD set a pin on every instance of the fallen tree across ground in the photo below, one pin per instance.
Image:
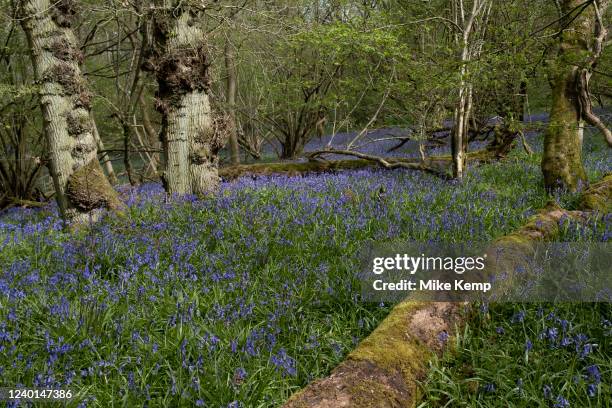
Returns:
(386, 367)
(438, 165)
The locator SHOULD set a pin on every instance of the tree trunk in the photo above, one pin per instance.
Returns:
(189, 138)
(152, 137)
(562, 158)
(230, 68)
(463, 109)
(127, 163)
(106, 161)
(80, 185)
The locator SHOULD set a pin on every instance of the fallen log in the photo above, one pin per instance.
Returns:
(18, 202)
(434, 164)
(385, 369)
(386, 163)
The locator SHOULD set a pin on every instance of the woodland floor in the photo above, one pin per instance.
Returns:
(239, 300)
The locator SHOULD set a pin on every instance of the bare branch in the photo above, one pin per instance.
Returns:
(380, 160)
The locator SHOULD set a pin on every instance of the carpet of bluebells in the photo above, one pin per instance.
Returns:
(240, 299)
(532, 355)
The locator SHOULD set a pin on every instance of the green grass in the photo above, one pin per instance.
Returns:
(492, 365)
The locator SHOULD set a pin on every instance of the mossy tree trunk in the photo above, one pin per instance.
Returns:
(80, 185)
(577, 53)
(180, 63)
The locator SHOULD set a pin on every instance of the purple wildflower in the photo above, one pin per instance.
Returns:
(561, 402)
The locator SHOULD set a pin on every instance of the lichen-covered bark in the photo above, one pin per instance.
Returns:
(562, 158)
(66, 103)
(179, 60)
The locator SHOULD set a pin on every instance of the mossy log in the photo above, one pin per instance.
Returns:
(384, 370)
(543, 226)
(440, 163)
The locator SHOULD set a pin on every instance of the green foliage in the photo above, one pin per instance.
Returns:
(530, 355)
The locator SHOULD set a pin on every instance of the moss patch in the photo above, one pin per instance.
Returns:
(63, 50)
(77, 123)
(66, 75)
(599, 196)
(89, 189)
(408, 337)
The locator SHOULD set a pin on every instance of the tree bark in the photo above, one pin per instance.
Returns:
(568, 75)
(230, 68)
(80, 185)
(180, 62)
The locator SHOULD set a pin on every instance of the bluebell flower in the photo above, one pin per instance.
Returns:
(240, 374)
(489, 388)
(547, 389)
(551, 333)
(484, 308)
(518, 317)
(594, 373)
(592, 390)
(585, 350)
(561, 402)
(284, 362)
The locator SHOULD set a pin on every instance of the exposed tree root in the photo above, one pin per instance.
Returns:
(384, 369)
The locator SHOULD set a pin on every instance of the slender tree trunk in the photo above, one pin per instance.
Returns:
(578, 50)
(127, 163)
(462, 114)
(106, 161)
(230, 68)
(152, 137)
(179, 60)
(80, 185)
(463, 109)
